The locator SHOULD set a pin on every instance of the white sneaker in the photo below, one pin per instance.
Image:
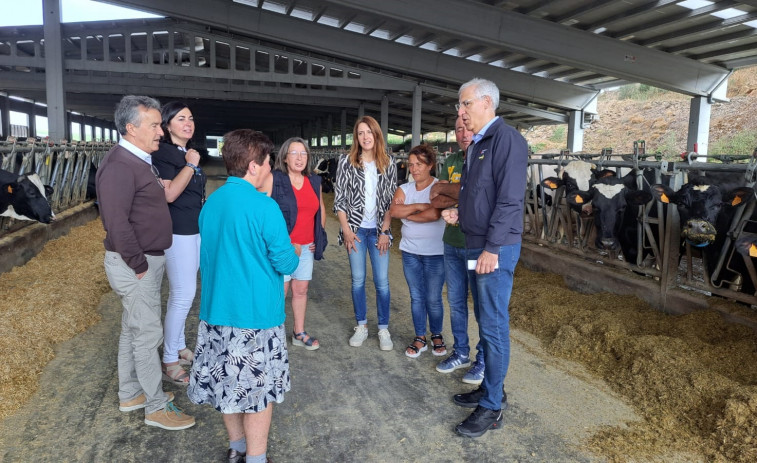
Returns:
(361, 334)
(385, 340)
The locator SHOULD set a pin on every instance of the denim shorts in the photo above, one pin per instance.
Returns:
(304, 271)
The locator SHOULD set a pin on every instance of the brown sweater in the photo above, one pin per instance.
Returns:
(133, 208)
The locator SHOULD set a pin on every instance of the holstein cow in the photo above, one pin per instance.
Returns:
(326, 168)
(615, 206)
(24, 197)
(706, 206)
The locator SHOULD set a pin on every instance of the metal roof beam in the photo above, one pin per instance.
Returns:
(308, 35)
(555, 42)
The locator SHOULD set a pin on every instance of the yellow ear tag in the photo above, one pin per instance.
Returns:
(664, 198)
(753, 250)
(736, 201)
(550, 184)
(579, 200)
(10, 189)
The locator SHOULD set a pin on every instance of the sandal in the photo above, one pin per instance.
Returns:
(416, 350)
(186, 357)
(435, 348)
(175, 374)
(298, 339)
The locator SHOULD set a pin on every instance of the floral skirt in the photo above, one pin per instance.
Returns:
(238, 370)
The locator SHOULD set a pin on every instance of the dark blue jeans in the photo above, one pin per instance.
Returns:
(456, 273)
(425, 279)
(491, 298)
(380, 266)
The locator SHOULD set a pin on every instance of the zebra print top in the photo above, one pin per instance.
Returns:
(349, 193)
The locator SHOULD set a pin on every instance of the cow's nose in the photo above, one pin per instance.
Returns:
(699, 232)
(609, 243)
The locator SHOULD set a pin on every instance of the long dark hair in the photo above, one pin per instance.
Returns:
(167, 113)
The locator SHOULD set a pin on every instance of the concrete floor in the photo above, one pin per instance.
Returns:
(346, 404)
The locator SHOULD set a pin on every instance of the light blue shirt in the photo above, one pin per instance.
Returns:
(478, 136)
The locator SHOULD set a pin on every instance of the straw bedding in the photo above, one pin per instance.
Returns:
(49, 300)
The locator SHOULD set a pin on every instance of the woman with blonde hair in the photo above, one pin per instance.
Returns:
(366, 179)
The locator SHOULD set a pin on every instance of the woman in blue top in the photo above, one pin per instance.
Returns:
(241, 364)
(184, 184)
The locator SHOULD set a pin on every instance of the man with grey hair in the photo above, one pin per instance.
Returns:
(138, 229)
(490, 213)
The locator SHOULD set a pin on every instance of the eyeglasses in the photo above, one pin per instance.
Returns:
(157, 176)
(298, 153)
(466, 104)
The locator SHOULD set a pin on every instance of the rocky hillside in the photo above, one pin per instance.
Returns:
(661, 119)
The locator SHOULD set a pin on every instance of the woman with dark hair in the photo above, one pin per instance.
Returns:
(184, 183)
(422, 250)
(242, 366)
(298, 193)
(365, 182)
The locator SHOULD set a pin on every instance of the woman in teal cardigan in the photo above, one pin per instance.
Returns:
(241, 363)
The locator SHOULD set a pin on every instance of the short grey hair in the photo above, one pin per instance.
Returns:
(483, 88)
(127, 111)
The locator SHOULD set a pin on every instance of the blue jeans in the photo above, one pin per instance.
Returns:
(491, 298)
(456, 270)
(380, 266)
(425, 279)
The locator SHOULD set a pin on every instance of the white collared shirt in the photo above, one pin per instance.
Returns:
(130, 147)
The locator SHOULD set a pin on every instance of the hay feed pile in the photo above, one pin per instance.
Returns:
(52, 298)
(692, 377)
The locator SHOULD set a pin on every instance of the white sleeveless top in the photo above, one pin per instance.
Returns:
(424, 239)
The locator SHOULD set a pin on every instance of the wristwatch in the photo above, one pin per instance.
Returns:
(386, 232)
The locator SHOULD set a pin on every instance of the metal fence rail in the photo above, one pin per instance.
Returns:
(63, 166)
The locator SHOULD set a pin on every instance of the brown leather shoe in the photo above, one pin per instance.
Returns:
(138, 403)
(170, 418)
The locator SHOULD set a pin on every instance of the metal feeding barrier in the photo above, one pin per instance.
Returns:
(65, 166)
(549, 220)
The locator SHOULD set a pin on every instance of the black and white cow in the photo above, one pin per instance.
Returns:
(24, 197)
(707, 206)
(615, 204)
(326, 169)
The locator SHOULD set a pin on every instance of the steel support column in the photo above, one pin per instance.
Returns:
(56, 96)
(576, 132)
(330, 130)
(344, 129)
(699, 125)
(416, 124)
(385, 116)
(5, 116)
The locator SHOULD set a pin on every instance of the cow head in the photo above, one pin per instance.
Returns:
(26, 199)
(609, 197)
(699, 203)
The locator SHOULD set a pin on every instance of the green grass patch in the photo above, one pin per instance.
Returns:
(558, 134)
(740, 143)
(639, 92)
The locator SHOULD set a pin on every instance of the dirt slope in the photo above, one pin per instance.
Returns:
(662, 121)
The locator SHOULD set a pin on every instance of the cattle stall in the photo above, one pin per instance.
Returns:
(653, 248)
(66, 167)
